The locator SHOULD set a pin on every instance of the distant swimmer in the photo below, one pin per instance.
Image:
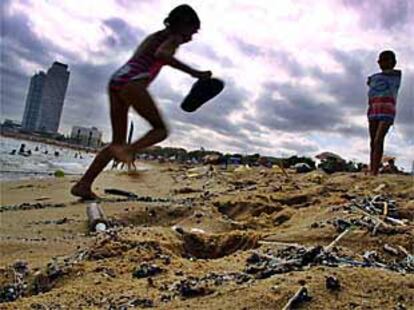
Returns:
(128, 87)
(382, 95)
(22, 149)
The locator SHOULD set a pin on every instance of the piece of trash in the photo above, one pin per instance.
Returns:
(197, 230)
(96, 217)
(332, 283)
(100, 227)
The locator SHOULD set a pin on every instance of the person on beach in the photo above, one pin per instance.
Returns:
(128, 87)
(382, 94)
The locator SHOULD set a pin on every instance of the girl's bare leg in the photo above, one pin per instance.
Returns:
(137, 95)
(119, 115)
(378, 146)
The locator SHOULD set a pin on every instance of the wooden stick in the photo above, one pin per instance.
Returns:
(273, 242)
(395, 221)
(371, 216)
(332, 244)
(385, 209)
(298, 294)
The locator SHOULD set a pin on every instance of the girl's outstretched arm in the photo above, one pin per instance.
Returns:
(166, 52)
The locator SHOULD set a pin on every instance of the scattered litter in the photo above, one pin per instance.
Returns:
(31, 206)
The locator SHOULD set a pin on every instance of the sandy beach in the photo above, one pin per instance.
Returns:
(205, 238)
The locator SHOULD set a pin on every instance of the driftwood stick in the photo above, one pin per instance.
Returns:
(296, 298)
(375, 218)
(337, 239)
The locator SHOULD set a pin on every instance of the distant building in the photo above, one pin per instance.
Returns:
(45, 98)
(10, 126)
(33, 101)
(86, 136)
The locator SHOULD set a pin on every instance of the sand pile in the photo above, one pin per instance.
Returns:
(204, 238)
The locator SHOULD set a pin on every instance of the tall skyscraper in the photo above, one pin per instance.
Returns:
(44, 103)
(33, 101)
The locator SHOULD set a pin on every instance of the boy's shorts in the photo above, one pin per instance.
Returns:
(381, 109)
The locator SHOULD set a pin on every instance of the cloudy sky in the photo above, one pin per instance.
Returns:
(295, 71)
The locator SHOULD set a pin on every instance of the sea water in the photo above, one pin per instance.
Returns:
(43, 162)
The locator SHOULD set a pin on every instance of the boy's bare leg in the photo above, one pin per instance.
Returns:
(373, 126)
(378, 149)
(119, 115)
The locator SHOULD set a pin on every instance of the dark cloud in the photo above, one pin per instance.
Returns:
(297, 111)
(123, 35)
(210, 53)
(349, 87)
(405, 109)
(287, 62)
(250, 50)
(385, 14)
(299, 148)
(278, 58)
(215, 115)
(20, 41)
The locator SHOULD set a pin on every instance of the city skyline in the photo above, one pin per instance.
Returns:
(295, 72)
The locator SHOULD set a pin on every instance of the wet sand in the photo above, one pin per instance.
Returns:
(188, 240)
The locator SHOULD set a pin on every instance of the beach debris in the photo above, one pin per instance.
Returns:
(379, 215)
(96, 218)
(332, 283)
(15, 285)
(379, 188)
(146, 270)
(264, 264)
(134, 302)
(31, 206)
(199, 172)
(187, 190)
(300, 296)
(391, 249)
(337, 239)
(120, 192)
(193, 286)
(42, 198)
(132, 196)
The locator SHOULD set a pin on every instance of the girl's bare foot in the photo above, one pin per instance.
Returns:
(83, 191)
(124, 154)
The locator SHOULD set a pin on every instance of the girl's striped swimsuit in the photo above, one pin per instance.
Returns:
(382, 94)
(143, 65)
